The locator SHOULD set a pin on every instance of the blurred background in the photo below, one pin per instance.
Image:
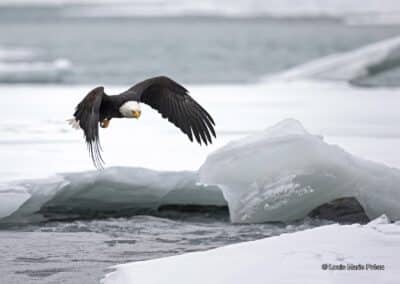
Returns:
(120, 42)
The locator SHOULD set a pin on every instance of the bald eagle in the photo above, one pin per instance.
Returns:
(161, 93)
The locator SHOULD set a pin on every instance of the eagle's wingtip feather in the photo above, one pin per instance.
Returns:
(74, 123)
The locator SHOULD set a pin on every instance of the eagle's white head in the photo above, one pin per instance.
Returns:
(130, 109)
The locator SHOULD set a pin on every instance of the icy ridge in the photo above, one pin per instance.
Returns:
(348, 66)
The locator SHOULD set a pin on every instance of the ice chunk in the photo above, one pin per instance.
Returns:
(11, 199)
(347, 66)
(283, 173)
(113, 192)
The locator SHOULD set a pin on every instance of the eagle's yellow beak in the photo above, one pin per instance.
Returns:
(136, 113)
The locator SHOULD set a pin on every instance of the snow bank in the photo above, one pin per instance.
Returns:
(288, 258)
(348, 66)
(283, 173)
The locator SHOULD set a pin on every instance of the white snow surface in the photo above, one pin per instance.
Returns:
(288, 258)
(283, 173)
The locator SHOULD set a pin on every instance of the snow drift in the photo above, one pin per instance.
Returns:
(288, 258)
(280, 174)
(283, 173)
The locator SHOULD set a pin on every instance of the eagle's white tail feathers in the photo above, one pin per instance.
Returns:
(74, 123)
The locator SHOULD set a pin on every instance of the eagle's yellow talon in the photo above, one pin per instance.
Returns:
(105, 123)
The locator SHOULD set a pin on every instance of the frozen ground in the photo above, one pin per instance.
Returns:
(372, 248)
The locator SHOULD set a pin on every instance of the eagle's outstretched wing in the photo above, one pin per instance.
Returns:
(173, 102)
(87, 116)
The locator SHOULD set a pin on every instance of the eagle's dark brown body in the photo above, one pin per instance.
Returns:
(166, 96)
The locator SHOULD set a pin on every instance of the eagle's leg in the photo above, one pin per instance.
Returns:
(105, 123)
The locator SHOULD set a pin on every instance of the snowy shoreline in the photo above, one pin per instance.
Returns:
(327, 254)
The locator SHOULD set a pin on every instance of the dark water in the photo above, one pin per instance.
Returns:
(190, 49)
(82, 251)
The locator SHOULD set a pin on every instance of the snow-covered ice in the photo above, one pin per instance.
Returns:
(283, 173)
(111, 191)
(288, 258)
(280, 174)
(348, 66)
